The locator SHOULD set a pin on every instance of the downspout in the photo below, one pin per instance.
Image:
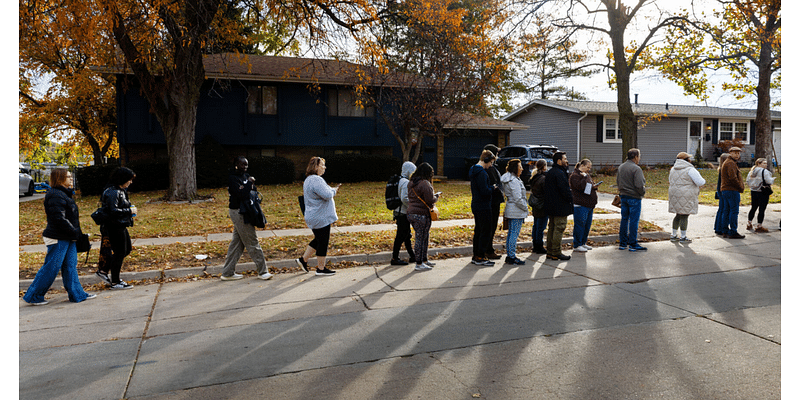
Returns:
(578, 156)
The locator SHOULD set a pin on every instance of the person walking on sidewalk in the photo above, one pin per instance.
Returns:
(557, 204)
(320, 214)
(62, 230)
(497, 200)
(684, 195)
(516, 208)
(403, 234)
(481, 206)
(421, 199)
(240, 183)
(718, 195)
(584, 196)
(759, 198)
(537, 205)
(630, 182)
(731, 186)
(115, 239)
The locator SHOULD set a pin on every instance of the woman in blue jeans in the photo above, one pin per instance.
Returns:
(516, 208)
(539, 215)
(63, 229)
(584, 198)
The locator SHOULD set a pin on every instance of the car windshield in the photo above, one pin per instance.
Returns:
(542, 153)
(511, 152)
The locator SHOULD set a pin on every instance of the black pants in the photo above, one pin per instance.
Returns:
(759, 202)
(495, 218)
(403, 236)
(322, 237)
(115, 245)
(482, 237)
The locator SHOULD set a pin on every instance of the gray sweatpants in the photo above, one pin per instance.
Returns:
(244, 237)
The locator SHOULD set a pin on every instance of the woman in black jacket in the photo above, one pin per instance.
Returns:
(63, 229)
(539, 215)
(116, 242)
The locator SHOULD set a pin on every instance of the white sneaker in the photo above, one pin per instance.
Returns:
(422, 267)
(587, 247)
(233, 277)
(265, 276)
(581, 249)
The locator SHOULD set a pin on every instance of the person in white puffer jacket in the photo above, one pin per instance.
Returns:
(684, 191)
(516, 208)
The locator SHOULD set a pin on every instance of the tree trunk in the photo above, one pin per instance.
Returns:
(763, 114)
(627, 120)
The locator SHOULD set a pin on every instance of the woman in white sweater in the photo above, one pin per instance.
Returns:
(516, 208)
(320, 214)
(758, 197)
(684, 192)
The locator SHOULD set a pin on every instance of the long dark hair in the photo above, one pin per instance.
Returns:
(424, 171)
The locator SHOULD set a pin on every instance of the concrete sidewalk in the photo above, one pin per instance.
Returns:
(693, 321)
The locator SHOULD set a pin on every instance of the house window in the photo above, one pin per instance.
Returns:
(343, 103)
(612, 133)
(731, 130)
(262, 100)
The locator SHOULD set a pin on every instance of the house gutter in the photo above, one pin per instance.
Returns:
(578, 156)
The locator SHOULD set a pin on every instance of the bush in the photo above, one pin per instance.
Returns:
(92, 179)
(269, 170)
(213, 164)
(346, 168)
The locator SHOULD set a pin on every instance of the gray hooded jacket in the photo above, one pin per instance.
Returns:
(402, 186)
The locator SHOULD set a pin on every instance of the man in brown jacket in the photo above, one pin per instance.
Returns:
(731, 186)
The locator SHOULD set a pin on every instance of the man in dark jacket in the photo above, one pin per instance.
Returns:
(557, 204)
(482, 208)
(240, 183)
(497, 199)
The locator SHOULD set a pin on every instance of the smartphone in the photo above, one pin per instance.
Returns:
(598, 183)
(437, 193)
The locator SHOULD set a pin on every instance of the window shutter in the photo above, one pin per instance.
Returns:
(752, 132)
(599, 129)
(714, 131)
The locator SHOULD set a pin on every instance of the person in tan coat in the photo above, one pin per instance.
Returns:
(731, 186)
(684, 192)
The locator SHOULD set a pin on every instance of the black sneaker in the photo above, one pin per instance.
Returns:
(121, 286)
(302, 264)
(104, 276)
(325, 272)
(397, 261)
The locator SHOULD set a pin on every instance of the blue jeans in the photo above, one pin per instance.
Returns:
(539, 224)
(514, 227)
(718, 218)
(730, 211)
(629, 224)
(582, 218)
(60, 256)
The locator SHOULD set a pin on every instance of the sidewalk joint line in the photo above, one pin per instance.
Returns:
(739, 329)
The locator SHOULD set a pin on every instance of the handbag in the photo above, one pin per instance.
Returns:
(765, 187)
(83, 245)
(617, 202)
(434, 210)
(98, 216)
(302, 201)
(505, 223)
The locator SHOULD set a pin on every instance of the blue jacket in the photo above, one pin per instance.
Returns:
(481, 189)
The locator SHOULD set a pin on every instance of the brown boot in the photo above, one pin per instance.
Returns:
(749, 226)
(761, 229)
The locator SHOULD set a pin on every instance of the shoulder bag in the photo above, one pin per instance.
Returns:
(765, 187)
(434, 210)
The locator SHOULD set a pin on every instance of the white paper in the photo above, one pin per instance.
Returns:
(588, 189)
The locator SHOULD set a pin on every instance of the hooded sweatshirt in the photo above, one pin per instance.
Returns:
(514, 189)
(402, 186)
(481, 189)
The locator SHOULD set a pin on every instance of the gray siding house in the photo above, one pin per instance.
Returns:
(590, 129)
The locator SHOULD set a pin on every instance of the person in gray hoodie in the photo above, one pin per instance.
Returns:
(516, 208)
(403, 235)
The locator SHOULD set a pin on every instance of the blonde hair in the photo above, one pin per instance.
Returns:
(313, 164)
(755, 164)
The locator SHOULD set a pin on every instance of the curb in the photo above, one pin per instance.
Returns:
(382, 257)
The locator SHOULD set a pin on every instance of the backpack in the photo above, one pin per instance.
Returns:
(392, 194)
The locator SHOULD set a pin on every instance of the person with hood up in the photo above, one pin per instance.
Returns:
(684, 192)
(403, 235)
(516, 208)
(482, 208)
(421, 199)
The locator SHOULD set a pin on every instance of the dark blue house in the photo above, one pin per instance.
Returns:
(294, 108)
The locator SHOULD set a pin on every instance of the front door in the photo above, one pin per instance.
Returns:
(695, 138)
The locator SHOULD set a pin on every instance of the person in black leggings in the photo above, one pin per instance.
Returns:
(115, 240)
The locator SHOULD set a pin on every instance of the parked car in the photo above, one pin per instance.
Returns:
(25, 181)
(528, 154)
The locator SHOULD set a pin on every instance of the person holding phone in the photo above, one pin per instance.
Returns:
(584, 197)
(320, 215)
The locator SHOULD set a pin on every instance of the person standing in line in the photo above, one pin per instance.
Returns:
(720, 205)
(481, 206)
(539, 215)
(240, 183)
(403, 234)
(758, 175)
(320, 214)
(731, 186)
(584, 196)
(630, 181)
(497, 200)
(114, 231)
(684, 195)
(557, 204)
(516, 208)
(421, 199)
(62, 230)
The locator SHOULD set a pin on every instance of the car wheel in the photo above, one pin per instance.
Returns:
(30, 189)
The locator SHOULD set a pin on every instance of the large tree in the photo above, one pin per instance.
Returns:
(742, 37)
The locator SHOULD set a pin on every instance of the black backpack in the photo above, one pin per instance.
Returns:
(392, 194)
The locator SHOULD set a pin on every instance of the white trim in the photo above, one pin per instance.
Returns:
(746, 123)
(689, 135)
(616, 125)
(586, 114)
